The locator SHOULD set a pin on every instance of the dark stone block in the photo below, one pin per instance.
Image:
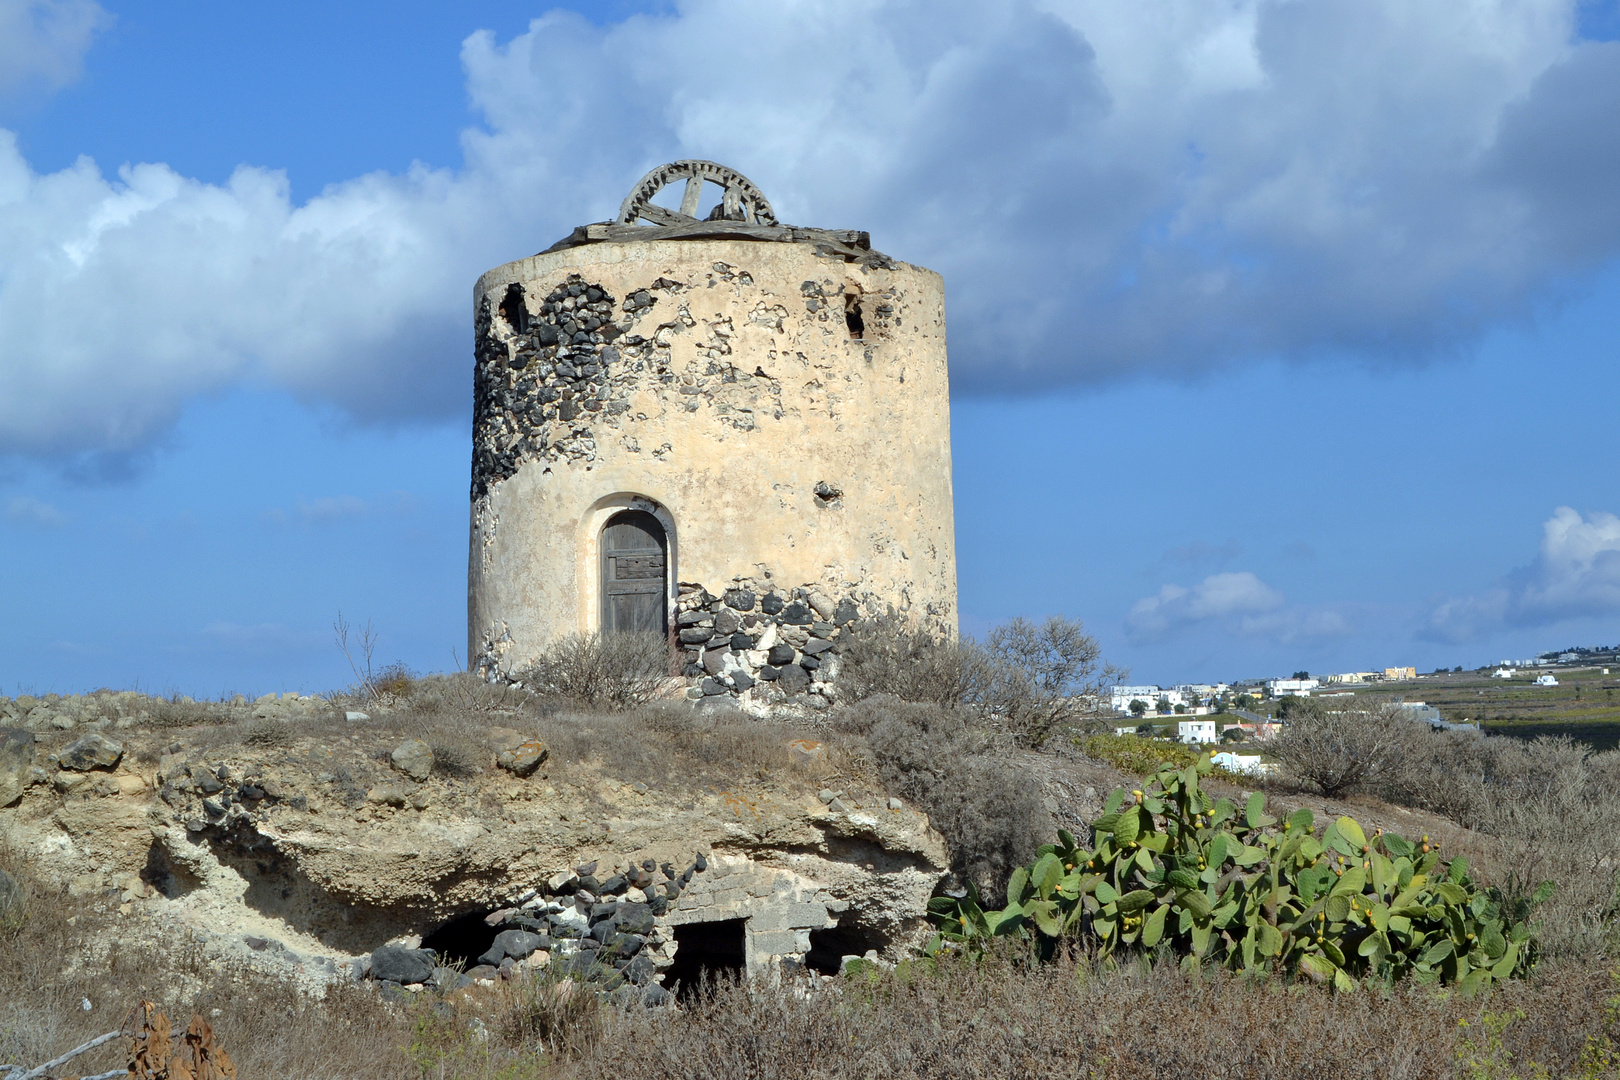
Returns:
(588, 883)
(741, 599)
(696, 635)
(640, 971)
(624, 946)
(515, 943)
(817, 646)
(635, 918)
(796, 613)
(742, 680)
(567, 410)
(691, 618)
(767, 674)
(771, 604)
(604, 910)
(713, 687)
(846, 612)
(741, 642)
(810, 663)
(793, 679)
(781, 653)
(615, 885)
(726, 623)
(393, 963)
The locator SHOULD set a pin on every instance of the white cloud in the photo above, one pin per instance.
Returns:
(27, 510)
(1215, 597)
(1575, 574)
(1109, 187)
(1240, 602)
(44, 41)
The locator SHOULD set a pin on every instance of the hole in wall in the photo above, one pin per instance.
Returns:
(829, 947)
(852, 316)
(462, 940)
(514, 310)
(827, 496)
(706, 953)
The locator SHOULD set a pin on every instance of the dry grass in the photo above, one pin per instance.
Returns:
(1075, 1019)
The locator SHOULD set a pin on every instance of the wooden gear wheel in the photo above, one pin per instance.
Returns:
(742, 200)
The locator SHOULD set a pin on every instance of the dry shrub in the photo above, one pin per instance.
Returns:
(888, 656)
(457, 759)
(1047, 677)
(175, 713)
(1340, 750)
(1028, 680)
(1076, 1019)
(395, 679)
(986, 808)
(560, 1017)
(605, 671)
(267, 734)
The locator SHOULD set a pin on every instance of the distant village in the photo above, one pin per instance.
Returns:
(1208, 714)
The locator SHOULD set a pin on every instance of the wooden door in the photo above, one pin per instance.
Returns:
(635, 557)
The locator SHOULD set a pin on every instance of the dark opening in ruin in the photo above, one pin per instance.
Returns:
(706, 953)
(513, 309)
(462, 940)
(829, 947)
(852, 315)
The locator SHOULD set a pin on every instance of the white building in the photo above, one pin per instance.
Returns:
(1546, 680)
(1252, 764)
(1120, 697)
(1504, 673)
(1196, 731)
(1291, 687)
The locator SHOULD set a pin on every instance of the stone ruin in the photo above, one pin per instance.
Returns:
(718, 427)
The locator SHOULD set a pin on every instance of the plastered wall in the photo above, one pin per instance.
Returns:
(784, 413)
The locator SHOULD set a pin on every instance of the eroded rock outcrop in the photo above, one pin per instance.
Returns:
(319, 846)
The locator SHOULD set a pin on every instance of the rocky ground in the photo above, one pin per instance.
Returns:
(304, 834)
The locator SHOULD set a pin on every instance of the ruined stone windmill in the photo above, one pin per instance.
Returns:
(720, 427)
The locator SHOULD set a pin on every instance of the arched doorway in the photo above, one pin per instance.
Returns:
(635, 561)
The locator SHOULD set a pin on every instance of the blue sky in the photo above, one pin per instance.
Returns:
(1282, 334)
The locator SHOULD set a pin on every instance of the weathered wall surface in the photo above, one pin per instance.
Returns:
(717, 384)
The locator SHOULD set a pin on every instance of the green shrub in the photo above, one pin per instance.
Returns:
(1133, 754)
(1177, 871)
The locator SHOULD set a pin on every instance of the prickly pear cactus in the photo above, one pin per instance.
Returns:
(1174, 870)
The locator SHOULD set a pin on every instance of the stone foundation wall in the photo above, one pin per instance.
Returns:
(761, 643)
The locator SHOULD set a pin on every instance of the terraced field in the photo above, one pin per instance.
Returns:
(1585, 704)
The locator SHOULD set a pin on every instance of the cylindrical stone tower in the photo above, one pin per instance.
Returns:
(729, 430)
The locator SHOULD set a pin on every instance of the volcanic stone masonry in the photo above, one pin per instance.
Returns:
(760, 411)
